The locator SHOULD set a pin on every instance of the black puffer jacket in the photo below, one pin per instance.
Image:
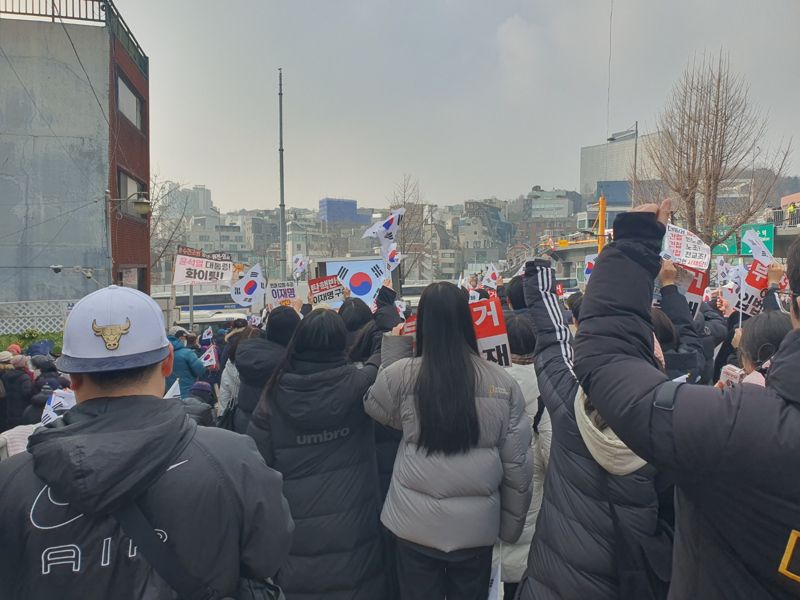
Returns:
(313, 429)
(206, 490)
(19, 389)
(575, 551)
(687, 357)
(256, 359)
(712, 328)
(733, 452)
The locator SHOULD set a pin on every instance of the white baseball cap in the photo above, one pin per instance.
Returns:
(113, 329)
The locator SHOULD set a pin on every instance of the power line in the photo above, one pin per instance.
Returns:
(55, 218)
(44, 119)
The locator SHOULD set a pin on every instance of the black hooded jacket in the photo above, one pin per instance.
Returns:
(19, 390)
(577, 550)
(313, 429)
(734, 453)
(256, 359)
(207, 491)
(686, 358)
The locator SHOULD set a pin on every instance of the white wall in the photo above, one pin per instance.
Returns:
(53, 159)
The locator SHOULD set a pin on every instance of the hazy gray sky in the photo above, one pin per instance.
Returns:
(472, 97)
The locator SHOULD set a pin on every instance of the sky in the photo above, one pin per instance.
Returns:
(472, 98)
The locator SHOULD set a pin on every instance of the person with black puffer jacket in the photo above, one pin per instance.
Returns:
(603, 531)
(733, 452)
(310, 425)
(18, 388)
(256, 360)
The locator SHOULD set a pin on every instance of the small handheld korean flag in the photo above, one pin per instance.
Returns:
(174, 391)
(491, 277)
(210, 359)
(392, 256)
(58, 403)
(299, 265)
(208, 334)
(251, 288)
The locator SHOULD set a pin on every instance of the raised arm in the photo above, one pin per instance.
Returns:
(554, 354)
(691, 430)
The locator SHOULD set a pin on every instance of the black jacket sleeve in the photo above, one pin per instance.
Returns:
(716, 323)
(386, 315)
(705, 431)
(674, 305)
(771, 299)
(554, 355)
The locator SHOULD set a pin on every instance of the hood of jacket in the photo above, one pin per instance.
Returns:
(783, 376)
(104, 453)
(257, 358)
(606, 448)
(525, 376)
(176, 343)
(319, 399)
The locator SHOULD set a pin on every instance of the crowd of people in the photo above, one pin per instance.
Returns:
(632, 449)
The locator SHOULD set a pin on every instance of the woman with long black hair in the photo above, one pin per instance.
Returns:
(462, 476)
(310, 425)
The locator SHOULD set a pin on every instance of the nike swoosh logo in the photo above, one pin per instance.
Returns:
(45, 511)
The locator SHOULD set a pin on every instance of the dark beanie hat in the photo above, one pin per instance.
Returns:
(281, 323)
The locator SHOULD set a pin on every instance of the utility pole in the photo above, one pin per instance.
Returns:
(280, 155)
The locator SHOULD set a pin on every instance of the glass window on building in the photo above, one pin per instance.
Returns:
(128, 189)
(128, 103)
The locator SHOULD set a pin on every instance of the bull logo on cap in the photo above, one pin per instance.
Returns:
(111, 333)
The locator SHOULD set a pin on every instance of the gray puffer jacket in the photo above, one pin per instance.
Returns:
(463, 500)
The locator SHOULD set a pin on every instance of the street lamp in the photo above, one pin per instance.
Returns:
(626, 135)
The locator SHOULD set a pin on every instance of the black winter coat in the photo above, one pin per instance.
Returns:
(19, 389)
(687, 358)
(574, 553)
(206, 491)
(733, 452)
(712, 328)
(256, 359)
(313, 429)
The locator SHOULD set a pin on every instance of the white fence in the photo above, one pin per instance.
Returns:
(44, 315)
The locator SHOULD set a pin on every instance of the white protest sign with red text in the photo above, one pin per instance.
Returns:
(685, 248)
(490, 330)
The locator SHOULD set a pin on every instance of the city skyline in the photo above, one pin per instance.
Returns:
(472, 99)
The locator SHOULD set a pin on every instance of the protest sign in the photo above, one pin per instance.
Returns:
(747, 289)
(757, 247)
(249, 289)
(685, 248)
(281, 293)
(364, 278)
(401, 308)
(691, 283)
(195, 267)
(490, 331)
(410, 328)
(326, 289)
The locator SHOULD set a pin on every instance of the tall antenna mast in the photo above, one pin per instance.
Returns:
(280, 155)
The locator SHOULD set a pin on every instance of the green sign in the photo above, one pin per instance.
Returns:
(766, 231)
(727, 246)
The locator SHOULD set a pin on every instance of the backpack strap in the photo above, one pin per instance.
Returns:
(665, 396)
(161, 557)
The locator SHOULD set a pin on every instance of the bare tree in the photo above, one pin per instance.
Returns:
(709, 137)
(168, 218)
(415, 230)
